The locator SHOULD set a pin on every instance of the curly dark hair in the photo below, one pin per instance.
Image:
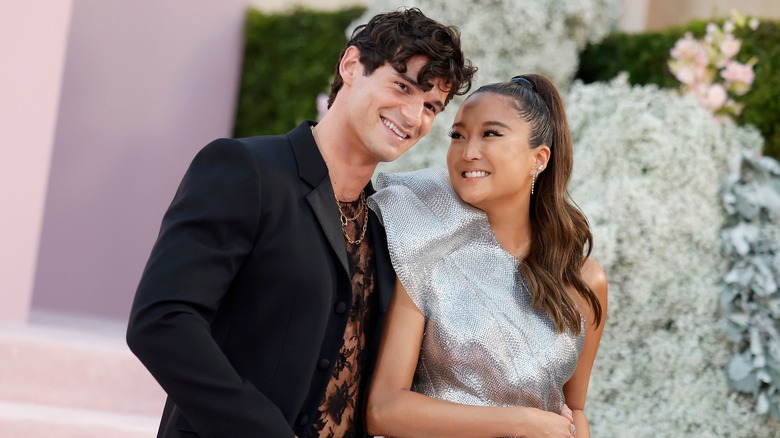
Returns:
(394, 37)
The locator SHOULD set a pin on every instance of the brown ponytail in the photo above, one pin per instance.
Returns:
(561, 238)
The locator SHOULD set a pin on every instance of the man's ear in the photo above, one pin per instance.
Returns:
(350, 65)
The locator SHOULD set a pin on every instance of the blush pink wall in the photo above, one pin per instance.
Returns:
(32, 52)
(146, 84)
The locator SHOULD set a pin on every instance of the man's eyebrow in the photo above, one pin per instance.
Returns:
(414, 83)
(407, 78)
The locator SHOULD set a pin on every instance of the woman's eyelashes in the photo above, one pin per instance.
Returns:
(487, 133)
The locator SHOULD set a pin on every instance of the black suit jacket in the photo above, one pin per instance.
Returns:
(242, 306)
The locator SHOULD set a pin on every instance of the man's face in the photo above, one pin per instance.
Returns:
(388, 111)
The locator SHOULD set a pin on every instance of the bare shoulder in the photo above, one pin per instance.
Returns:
(593, 275)
(595, 278)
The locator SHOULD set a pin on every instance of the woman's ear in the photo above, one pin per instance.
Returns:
(541, 158)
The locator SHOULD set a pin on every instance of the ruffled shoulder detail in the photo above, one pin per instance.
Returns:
(426, 222)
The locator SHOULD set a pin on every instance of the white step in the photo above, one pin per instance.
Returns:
(19, 420)
(80, 366)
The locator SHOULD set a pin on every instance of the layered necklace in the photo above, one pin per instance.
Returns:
(362, 211)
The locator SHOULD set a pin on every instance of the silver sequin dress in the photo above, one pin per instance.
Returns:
(483, 343)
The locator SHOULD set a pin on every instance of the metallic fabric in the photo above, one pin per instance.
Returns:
(484, 344)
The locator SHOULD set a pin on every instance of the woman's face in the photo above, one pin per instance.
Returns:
(489, 160)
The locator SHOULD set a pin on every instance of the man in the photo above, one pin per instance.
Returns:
(261, 304)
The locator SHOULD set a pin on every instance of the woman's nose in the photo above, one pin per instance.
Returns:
(472, 151)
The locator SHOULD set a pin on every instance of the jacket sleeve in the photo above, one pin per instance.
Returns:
(206, 234)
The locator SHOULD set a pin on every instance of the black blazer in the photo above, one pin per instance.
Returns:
(241, 308)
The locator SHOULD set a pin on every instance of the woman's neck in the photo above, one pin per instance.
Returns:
(512, 228)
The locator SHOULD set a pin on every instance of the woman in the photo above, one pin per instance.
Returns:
(498, 311)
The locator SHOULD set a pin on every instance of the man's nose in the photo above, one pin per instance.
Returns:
(412, 112)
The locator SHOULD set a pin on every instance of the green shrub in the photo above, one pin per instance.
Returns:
(644, 57)
(288, 60)
(762, 103)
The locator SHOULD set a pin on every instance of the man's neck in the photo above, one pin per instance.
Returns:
(348, 167)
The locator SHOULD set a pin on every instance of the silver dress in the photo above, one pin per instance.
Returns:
(483, 344)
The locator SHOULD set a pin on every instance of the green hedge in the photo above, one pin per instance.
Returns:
(288, 60)
(644, 57)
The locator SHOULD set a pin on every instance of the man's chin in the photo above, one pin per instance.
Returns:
(395, 153)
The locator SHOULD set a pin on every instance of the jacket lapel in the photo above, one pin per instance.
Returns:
(312, 169)
(323, 203)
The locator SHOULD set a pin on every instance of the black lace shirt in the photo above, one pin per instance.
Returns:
(342, 401)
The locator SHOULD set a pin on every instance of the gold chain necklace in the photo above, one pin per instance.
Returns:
(346, 220)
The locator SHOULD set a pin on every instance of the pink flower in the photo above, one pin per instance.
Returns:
(707, 71)
(715, 97)
(684, 47)
(738, 77)
(738, 72)
(753, 24)
(688, 50)
(701, 57)
(685, 74)
(730, 46)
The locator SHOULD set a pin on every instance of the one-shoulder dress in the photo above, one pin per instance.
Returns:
(484, 344)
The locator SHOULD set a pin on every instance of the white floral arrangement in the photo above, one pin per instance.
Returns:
(504, 38)
(750, 296)
(708, 70)
(648, 167)
(647, 171)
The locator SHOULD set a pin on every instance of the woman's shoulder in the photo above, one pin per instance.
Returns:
(425, 192)
(411, 207)
(420, 182)
(593, 275)
(592, 272)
